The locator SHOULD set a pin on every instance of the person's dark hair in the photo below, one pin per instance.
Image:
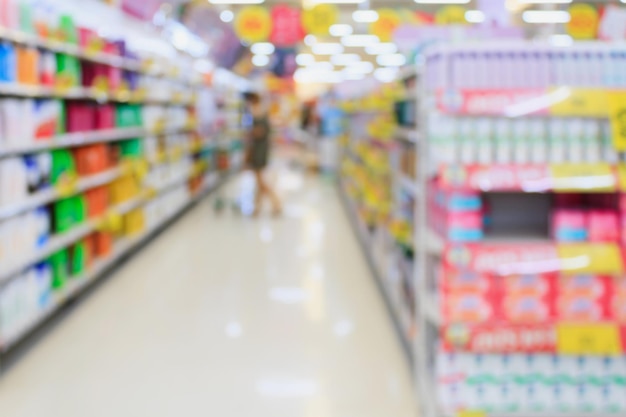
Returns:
(252, 98)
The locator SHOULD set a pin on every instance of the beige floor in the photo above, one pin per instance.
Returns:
(227, 317)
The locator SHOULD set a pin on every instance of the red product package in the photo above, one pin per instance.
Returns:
(583, 298)
(80, 117)
(105, 117)
(527, 299)
(467, 297)
(618, 299)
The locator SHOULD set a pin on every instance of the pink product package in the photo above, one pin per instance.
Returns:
(105, 117)
(459, 227)
(569, 225)
(603, 226)
(80, 117)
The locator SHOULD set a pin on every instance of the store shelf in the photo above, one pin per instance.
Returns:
(81, 283)
(116, 61)
(64, 240)
(48, 196)
(400, 320)
(77, 139)
(85, 93)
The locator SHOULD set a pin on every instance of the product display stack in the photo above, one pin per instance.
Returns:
(98, 151)
(520, 230)
(377, 182)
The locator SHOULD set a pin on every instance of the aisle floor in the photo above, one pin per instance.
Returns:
(227, 316)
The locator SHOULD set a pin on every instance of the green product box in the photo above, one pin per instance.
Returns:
(62, 164)
(80, 256)
(68, 30)
(128, 115)
(62, 119)
(59, 262)
(64, 217)
(26, 17)
(131, 148)
(69, 66)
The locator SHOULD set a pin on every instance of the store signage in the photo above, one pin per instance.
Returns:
(451, 15)
(529, 178)
(493, 102)
(141, 9)
(591, 258)
(286, 26)
(504, 259)
(541, 338)
(579, 102)
(253, 24)
(318, 19)
(584, 20)
(617, 114)
(388, 22)
(599, 177)
(603, 339)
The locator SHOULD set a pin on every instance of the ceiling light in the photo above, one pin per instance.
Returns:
(393, 60)
(561, 40)
(359, 40)
(362, 67)
(321, 66)
(305, 59)
(263, 48)
(341, 30)
(545, 1)
(475, 16)
(546, 16)
(310, 40)
(365, 16)
(442, 1)
(386, 75)
(381, 48)
(345, 59)
(353, 76)
(260, 60)
(337, 1)
(236, 1)
(327, 48)
(227, 16)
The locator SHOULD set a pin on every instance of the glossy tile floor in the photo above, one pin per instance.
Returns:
(231, 317)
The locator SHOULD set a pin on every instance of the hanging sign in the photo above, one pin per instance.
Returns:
(451, 15)
(319, 19)
(253, 24)
(287, 26)
(584, 20)
(388, 21)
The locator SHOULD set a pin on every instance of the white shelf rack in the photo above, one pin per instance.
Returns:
(123, 248)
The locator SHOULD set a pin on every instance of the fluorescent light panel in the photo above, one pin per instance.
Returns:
(236, 1)
(359, 40)
(341, 30)
(381, 48)
(305, 59)
(546, 16)
(260, 60)
(345, 59)
(393, 60)
(327, 48)
(263, 48)
(365, 16)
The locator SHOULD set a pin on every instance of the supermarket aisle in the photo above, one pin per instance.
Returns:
(227, 316)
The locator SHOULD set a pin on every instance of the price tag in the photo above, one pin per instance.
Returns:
(67, 186)
(583, 177)
(159, 126)
(581, 102)
(63, 84)
(591, 258)
(589, 339)
(101, 85)
(617, 114)
(472, 413)
(94, 47)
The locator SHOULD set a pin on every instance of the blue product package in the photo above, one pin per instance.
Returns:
(11, 63)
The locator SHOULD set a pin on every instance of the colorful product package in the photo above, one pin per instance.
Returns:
(569, 225)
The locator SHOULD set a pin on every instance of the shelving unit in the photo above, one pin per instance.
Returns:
(454, 354)
(146, 154)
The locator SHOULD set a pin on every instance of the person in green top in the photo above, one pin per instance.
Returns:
(258, 153)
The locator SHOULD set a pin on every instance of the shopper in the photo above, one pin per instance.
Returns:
(258, 153)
